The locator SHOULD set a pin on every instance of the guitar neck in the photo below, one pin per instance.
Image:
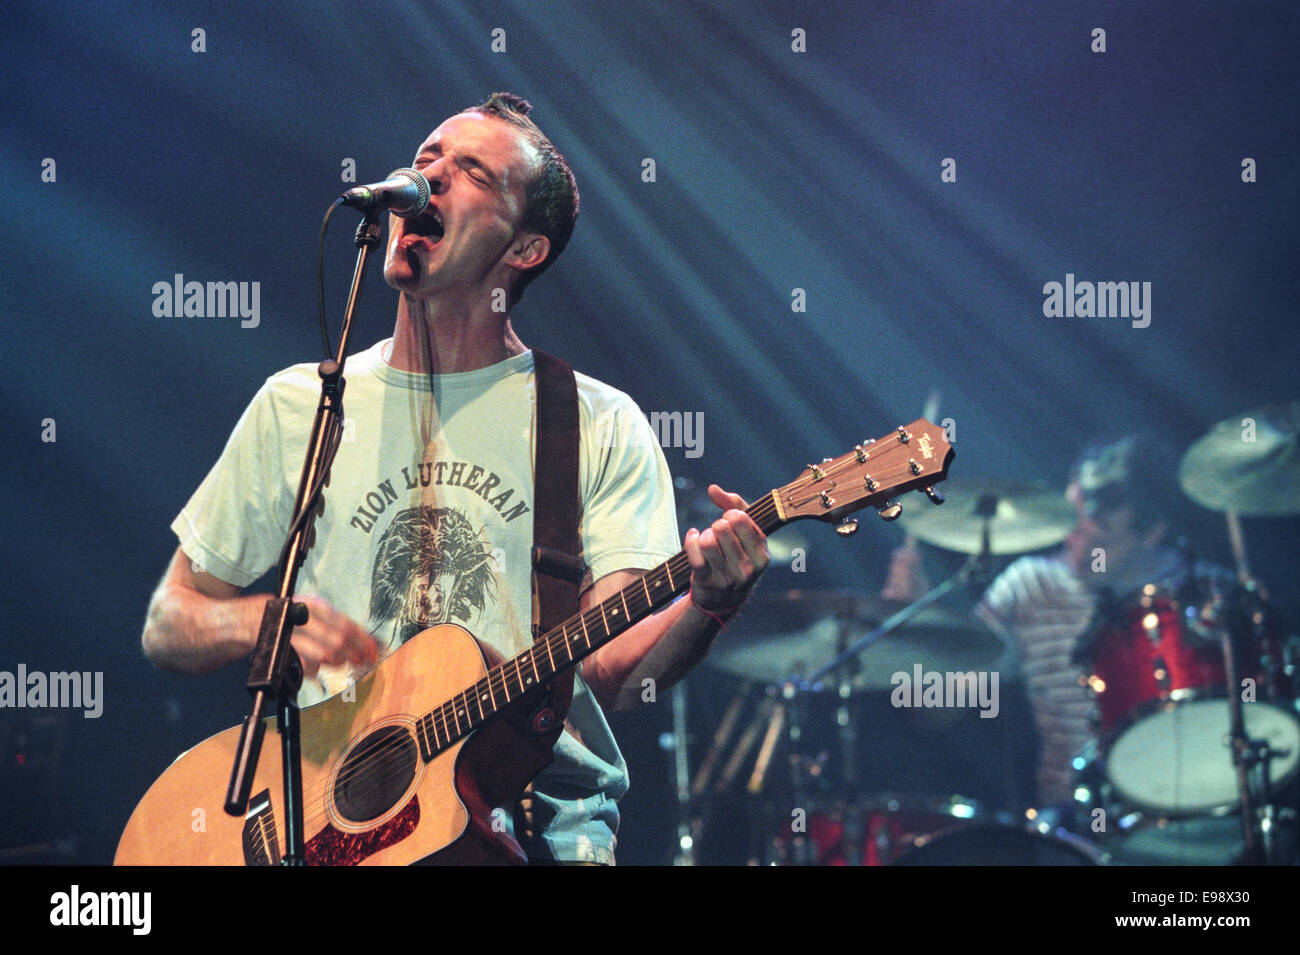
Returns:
(912, 457)
(564, 646)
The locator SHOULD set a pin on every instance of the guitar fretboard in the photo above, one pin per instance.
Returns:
(563, 646)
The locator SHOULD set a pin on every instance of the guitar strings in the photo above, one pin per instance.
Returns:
(363, 761)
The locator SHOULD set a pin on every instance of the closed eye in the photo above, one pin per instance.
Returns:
(471, 165)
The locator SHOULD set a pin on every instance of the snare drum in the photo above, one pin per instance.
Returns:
(1159, 675)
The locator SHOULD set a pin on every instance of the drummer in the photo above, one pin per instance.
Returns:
(1045, 605)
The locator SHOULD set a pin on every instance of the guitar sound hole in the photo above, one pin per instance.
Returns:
(375, 774)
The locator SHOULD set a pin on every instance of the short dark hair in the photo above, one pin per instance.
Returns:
(1136, 469)
(551, 197)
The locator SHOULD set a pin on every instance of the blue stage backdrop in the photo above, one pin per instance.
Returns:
(799, 219)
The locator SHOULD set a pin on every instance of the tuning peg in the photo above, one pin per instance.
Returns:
(934, 496)
(847, 527)
(891, 510)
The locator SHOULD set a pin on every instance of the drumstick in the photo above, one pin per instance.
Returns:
(721, 736)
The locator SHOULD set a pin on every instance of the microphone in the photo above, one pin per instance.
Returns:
(404, 193)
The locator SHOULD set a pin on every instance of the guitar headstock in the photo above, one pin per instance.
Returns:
(909, 458)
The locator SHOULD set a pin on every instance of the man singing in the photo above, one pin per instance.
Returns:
(428, 515)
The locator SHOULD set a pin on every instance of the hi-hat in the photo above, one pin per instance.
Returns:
(1020, 517)
(1249, 463)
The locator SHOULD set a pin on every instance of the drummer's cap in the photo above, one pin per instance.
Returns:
(1132, 470)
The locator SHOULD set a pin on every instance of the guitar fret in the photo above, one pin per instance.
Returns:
(422, 736)
(550, 655)
(462, 713)
(544, 665)
(439, 732)
(498, 677)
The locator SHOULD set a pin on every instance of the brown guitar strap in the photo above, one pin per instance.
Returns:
(556, 554)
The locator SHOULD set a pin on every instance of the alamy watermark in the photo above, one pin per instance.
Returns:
(58, 690)
(130, 909)
(181, 299)
(930, 688)
(1131, 300)
(669, 429)
(679, 429)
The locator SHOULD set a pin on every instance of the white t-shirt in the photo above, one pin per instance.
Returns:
(428, 519)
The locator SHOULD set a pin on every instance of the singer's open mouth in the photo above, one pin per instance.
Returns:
(422, 232)
(427, 224)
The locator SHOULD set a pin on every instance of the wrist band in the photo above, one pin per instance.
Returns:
(720, 618)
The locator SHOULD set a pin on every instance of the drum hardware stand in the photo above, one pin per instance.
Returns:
(1250, 757)
(1238, 542)
(1244, 752)
(790, 716)
(973, 573)
(853, 832)
(686, 821)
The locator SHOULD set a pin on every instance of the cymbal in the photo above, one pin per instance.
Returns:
(1253, 470)
(1025, 517)
(796, 632)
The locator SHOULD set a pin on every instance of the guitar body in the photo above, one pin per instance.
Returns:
(369, 798)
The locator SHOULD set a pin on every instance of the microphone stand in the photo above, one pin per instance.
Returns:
(276, 672)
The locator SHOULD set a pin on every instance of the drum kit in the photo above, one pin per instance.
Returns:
(1197, 729)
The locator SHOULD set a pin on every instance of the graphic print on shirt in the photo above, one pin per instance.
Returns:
(432, 567)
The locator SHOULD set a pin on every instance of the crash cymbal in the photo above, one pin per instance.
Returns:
(1024, 517)
(796, 632)
(1252, 468)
